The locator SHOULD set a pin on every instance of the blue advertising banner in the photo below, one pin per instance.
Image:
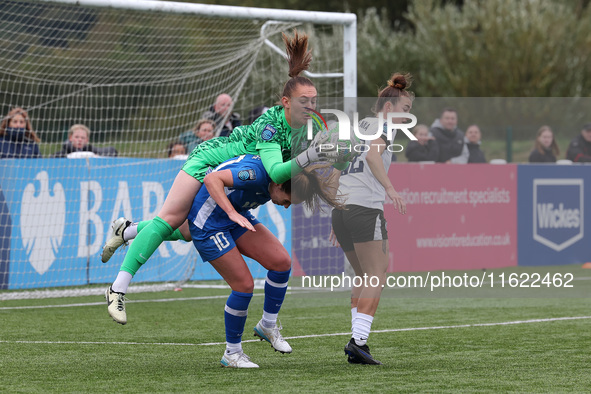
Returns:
(551, 214)
(55, 216)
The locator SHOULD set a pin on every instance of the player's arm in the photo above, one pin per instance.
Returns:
(215, 183)
(374, 160)
(278, 170)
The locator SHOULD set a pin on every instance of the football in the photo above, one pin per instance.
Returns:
(344, 147)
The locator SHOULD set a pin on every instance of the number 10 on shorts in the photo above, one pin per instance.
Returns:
(220, 240)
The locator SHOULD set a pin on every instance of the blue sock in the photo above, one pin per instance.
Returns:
(275, 289)
(235, 313)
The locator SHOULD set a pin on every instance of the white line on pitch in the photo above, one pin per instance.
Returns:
(128, 301)
(307, 336)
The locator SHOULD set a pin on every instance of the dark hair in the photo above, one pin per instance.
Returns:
(256, 112)
(30, 133)
(396, 88)
(553, 145)
(448, 109)
(298, 59)
(173, 144)
(318, 182)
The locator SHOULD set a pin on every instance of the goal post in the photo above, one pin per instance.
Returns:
(138, 74)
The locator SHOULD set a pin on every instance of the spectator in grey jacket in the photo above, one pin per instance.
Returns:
(221, 113)
(448, 136)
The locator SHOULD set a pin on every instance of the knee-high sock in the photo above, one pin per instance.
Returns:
(275, 289)
(145, 244)
(175, 236)
(235, 313)
(361, 328)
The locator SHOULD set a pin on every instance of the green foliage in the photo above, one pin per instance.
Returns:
(505, 48)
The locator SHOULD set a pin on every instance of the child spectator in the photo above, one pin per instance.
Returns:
(18, 140)
(177, 150)
(425, 149)
(78, 145)
(545, 148)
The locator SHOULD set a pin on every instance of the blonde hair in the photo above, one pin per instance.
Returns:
(201, 122)
(79, 126)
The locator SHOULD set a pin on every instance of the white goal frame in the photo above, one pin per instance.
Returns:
(347, 20)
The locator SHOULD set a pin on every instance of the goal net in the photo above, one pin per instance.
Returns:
(138, 74)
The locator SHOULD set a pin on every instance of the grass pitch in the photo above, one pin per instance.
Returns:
(173, 342)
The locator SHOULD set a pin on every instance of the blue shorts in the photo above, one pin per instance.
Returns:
(212, 244)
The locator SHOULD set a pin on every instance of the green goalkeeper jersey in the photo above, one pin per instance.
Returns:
(269, 136)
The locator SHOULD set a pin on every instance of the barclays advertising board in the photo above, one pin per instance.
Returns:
(552, 218)
(55, 216)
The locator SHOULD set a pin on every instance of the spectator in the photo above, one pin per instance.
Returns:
(449, 138)
(579, 149)
(471, 152)
(221, 113)
(78, 145)
(18, 140)
(256, 112)
(545, 148)
(177, 150)
(425, 149)
(203, 131)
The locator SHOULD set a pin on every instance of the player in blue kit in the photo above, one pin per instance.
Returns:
(223, 229)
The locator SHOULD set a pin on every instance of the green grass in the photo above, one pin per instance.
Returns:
(430, 344)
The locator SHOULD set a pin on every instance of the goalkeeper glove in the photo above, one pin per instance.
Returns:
(319, 150)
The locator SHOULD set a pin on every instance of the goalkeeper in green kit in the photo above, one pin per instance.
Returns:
(270, 136)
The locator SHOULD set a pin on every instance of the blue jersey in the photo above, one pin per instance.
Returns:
(212, 230)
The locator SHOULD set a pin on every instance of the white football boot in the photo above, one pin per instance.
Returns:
(237, 360)
(115, 238)
(273, 336)
(116, 305)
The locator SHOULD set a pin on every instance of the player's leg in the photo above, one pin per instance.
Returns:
(123, 231)
(346, 242)
(265, 248)
(232, 267)
(172, 214)
(366, 228)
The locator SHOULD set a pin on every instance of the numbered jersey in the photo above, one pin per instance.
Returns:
(250, 190)
(357, 181)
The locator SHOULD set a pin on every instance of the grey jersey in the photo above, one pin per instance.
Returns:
(357, 182)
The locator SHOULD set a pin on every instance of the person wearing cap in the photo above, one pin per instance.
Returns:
(579, 149)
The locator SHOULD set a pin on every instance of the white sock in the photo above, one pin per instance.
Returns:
(130, 232)
(353, 315)
(361, 328)
(269, 319)
(232, 348)
(122, 282)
